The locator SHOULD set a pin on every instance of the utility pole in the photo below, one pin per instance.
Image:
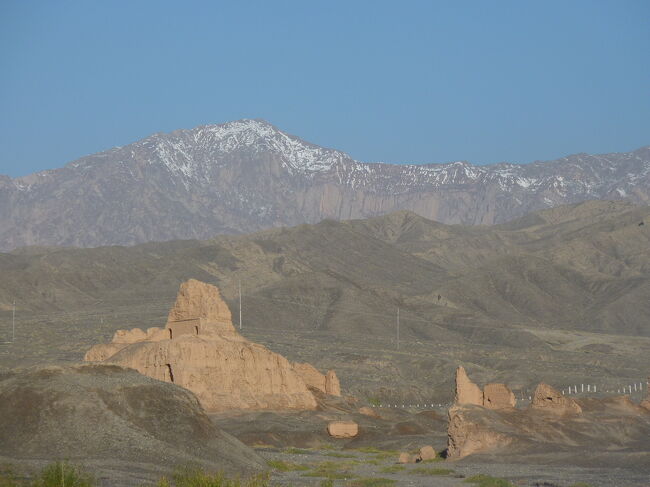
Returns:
(398, 328)
(13, 323)
(240, 304)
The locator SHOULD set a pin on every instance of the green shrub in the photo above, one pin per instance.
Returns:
(62, 474)
(487, 481)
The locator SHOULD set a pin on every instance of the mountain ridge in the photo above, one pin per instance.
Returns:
(248, 175)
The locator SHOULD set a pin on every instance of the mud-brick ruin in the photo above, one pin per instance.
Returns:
(199, 349)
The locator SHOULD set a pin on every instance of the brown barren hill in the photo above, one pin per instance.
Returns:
(560, 295)
(113, 419)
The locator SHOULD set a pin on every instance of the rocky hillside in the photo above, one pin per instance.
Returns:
(561, 295)
(248, 175)
(121, 424)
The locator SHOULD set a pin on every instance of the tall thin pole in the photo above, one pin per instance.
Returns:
(398, 328)
(13, 323)
(240, 304)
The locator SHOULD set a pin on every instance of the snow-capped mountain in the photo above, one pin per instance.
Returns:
(248, 175)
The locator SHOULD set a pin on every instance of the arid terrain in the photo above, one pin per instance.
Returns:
(560, 296)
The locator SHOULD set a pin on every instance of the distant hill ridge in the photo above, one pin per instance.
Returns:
(248, 175)
(583, 266)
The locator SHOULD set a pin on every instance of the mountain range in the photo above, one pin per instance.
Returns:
(247, 175)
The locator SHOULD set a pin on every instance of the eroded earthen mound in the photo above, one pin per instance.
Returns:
(549, 399)
(469, 431)
(466, 391)
(199, 349)
(493, 396)
(498, 396)
(497, 426)
(94, 412)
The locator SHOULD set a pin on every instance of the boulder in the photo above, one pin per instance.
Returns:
(366, 411)
(427, 453)
(466, 391)
(200, 349)
(343, 429)
(498, 396)
(408, 458)
(546, 398)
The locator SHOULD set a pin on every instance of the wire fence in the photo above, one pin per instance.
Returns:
(637, 390)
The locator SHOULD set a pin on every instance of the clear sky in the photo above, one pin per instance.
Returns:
(406, 81)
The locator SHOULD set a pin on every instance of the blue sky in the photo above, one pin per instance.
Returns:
(384, 81)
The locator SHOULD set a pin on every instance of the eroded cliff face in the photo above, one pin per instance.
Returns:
(200, 350)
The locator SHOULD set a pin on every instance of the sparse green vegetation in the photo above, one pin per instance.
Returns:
(327, 483)
(295, 451)
(369, 449)
(371, 482)
(8, 477)
(283, 466)
(63, 474)
(378, 454)
(487, 481)
(60, 474)
(433, 460)
(333, 470)
(374, 401)
(393, 469)
(431, 471)
(339, 455)
(192, 476)
(371, 461)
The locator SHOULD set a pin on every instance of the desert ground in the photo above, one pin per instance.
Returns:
(560, 296)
